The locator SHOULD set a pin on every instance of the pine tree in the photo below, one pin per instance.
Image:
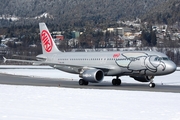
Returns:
(153, 38)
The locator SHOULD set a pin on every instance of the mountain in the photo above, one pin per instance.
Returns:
(167, 12)
(80, 12)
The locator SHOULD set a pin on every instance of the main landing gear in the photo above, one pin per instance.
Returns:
(83, 82)
(117, 81)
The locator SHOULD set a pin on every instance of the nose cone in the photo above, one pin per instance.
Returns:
(171, 67)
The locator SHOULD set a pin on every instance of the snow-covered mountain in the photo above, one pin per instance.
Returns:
(15, 18)
(76, 11)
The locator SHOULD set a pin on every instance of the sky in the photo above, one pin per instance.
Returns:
(55, 103)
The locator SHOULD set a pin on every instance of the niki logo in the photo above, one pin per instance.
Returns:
(116, 55)
(46, 40)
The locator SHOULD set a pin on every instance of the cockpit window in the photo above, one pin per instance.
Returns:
(161, 58)
(157, 59)
(165, 58)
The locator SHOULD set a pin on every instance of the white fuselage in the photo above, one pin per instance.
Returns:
(113, 63)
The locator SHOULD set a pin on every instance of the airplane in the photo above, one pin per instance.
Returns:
(92, 67)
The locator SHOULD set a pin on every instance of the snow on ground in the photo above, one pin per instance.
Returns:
(50, 103)
(53, 103)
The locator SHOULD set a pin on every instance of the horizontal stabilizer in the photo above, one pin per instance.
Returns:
(4, 59)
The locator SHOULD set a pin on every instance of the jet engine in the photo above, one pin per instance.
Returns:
(143, 78)
(92, 75)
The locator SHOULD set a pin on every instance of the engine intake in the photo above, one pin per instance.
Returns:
(143, 78)
(92, 75)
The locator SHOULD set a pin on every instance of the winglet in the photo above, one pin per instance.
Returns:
(4, 59)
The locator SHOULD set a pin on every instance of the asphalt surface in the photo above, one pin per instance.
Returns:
(49, 82)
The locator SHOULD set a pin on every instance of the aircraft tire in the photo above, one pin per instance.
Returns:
(81, 82)
(152, 85)
(86, 82)
(116, 82)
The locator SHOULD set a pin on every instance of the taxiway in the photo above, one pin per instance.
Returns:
(49, 82)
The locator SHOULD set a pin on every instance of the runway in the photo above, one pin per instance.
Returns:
(49, 82)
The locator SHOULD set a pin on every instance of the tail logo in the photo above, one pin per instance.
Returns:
(46, 40)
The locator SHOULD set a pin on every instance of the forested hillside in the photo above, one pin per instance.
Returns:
(167, 12)
(79, 12)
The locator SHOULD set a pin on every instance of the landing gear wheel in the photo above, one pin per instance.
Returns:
(83, 82)
(86, 82)
(152, 85)
(116, 82)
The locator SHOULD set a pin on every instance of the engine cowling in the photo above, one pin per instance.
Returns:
(143, 78)
(92, 75)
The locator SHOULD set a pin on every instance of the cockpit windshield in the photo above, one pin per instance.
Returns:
(161, 58)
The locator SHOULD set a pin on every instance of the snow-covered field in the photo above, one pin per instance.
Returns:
(53, 103)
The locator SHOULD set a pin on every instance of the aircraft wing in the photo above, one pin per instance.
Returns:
(34, 62)
(23, 57)
(78, 68)
(75, 67)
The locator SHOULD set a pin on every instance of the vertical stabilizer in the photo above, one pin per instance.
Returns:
(48, 45)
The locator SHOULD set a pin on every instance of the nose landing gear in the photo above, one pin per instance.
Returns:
(152, 85)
